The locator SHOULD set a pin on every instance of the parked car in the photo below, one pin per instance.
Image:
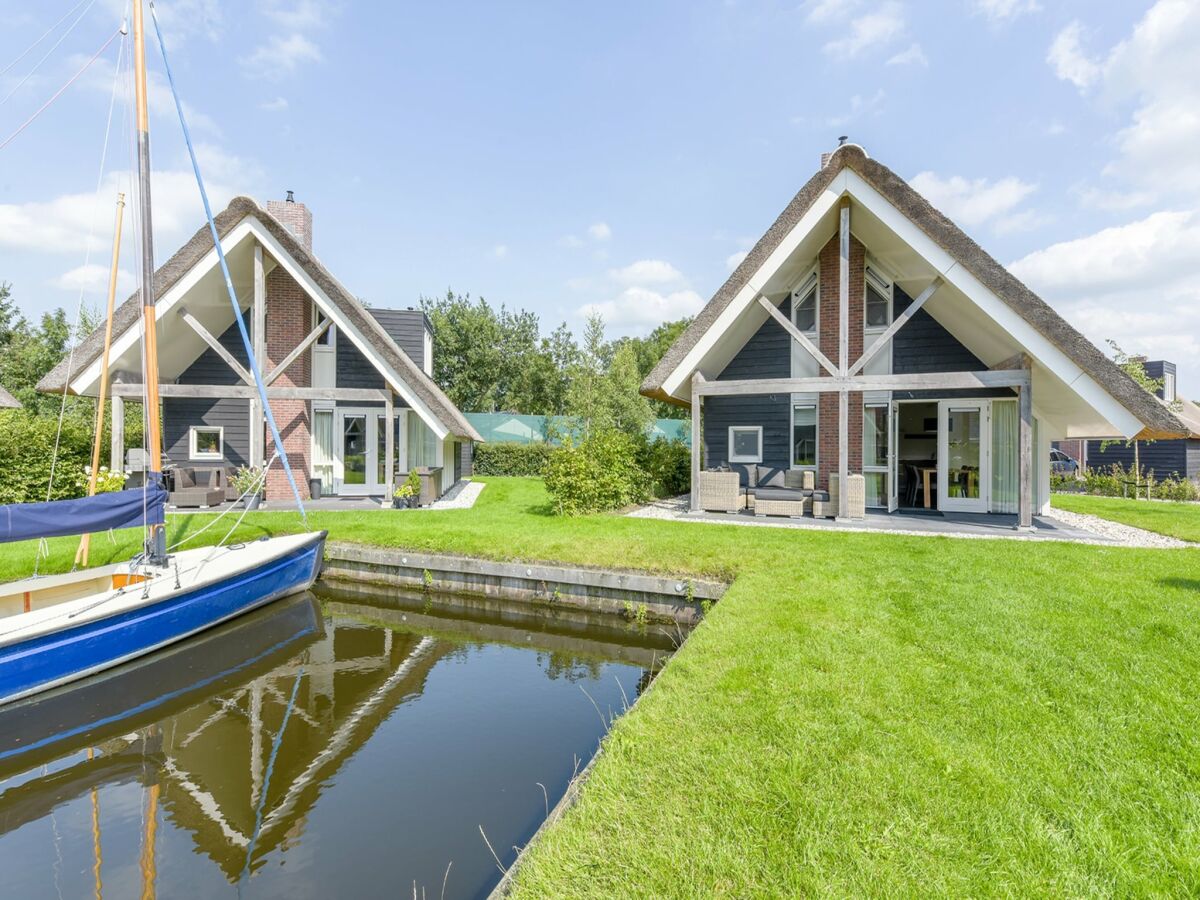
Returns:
(1062, 464)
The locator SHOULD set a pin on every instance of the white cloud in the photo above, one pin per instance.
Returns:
(599, 231)
(498, 252)
(93, 278)
(1003, 10)
(1135, 283)
(733, 260)
(880, 26)
(647, 272)
(639, 309)
(829, 10)
(296, 16)
(570, 241)
(279, 104)
(859, 107)
(62, 225)
(972, 202)
(281, 56)
(913, 56)
(1068, 59)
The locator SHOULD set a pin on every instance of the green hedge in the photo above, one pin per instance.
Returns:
(1117, 481)
(600, 474)
(508, 458)
(26, 452)
(668, 465)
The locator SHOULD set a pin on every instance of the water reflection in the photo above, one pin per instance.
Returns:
(340, 745)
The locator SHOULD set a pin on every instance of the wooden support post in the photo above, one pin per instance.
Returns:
(389, 449)
(215, 345)
(308, 341)
(116, 453)
(697, 381)
(797, 335)
(1025, 459)
(843, 510)
(258, 337)
(900, 321)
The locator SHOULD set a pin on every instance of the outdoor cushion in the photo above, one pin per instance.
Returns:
(185, 478)
(779, 493)
(821, 495)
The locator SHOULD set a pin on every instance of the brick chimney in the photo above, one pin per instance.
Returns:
(295, 217)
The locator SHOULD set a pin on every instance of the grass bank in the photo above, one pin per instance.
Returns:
(1178, 520)
(866, 713)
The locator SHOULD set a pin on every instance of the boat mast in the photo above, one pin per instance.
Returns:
(157, 543)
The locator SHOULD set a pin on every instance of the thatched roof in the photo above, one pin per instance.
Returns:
(1159, 422)
(8, 401)
(128, 313)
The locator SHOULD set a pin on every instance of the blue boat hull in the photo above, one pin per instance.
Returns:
(50, 660)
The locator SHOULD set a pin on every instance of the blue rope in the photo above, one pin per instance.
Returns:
(262, 798)
(237, 309)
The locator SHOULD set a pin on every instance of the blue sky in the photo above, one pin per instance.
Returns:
(563, 156)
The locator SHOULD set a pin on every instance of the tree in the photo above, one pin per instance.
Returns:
(630, 411)
(648, 351)
(1135, 368)
(586, 394)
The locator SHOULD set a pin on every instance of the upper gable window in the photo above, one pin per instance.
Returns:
(328, 337)
(805, 305)
(1168, 388)
(878, 312)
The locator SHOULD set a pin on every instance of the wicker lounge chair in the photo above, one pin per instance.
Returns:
(857, 496)
(720, 491)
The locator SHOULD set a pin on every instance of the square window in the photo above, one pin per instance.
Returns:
(804, 435)
(207, 442)
(745, 444)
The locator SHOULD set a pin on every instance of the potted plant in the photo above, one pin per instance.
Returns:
(402, 497)
(408, 494)
(247, 481)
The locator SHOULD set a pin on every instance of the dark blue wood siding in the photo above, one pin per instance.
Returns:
(923, 345)
(180, 414)
(407, 327)
(767, 354)
(1175, 458)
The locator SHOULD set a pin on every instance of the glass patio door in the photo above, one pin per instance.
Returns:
(355, 448)
(964, 452)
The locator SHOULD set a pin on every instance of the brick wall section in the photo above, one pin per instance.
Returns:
(829, 262)
(289, 320)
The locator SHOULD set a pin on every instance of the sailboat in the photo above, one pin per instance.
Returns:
(57, 629)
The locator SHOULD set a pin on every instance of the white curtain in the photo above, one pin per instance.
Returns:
(323, 448)
(422, 443)
(1005, 467)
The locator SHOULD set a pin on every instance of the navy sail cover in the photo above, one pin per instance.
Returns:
(130, 508)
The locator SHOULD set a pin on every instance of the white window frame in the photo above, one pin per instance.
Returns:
(874, 275)
(757, 429)
(1169, 387)
(193, 453)
(814, 401)
(327, 342)
(810, 281)
(884, 468)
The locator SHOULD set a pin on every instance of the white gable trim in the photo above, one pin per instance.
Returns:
(747, 295)
(1031, 340)
(252, 227)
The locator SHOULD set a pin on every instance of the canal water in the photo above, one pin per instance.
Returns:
(330, 745)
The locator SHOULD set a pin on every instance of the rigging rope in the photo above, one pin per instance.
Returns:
(87, 256)
(41, 109)
(237, 309)
(45, 34)
(29, 74)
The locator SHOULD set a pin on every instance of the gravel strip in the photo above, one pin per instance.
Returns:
(462, 496)
(1101, 531)
(1125, 534)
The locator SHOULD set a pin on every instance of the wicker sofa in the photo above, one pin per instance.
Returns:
(720, 491)
(202, 487)
(782, 493)
(856, 499)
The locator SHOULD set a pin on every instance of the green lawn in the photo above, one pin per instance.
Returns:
(870, 714)
(1179, 520)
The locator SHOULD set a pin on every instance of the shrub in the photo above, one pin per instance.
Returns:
(600, 474)
(509, 458)
(1117, 481)
(106, 481)
(27, 451)
(668, 465)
